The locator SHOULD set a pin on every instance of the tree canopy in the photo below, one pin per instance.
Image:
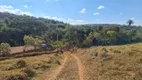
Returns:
(13, 28)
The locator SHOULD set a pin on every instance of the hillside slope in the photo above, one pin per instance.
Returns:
(121, 63)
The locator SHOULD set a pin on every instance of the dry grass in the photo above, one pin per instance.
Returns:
(70, 70)
(121, 63)
(27, 67)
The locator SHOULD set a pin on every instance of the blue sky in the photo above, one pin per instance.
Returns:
(78, 11)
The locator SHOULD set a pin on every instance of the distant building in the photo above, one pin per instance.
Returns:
(44, 46)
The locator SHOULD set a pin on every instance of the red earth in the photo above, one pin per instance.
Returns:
(20, 49)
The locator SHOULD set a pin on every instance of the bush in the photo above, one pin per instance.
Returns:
(9, 68)
(5, 49)
(117, 51)
(14, 76)
(20, 64)
(29, 72)
(104, 52)
(86, 44)
(58, 62)
(94, 54)
(42, 66)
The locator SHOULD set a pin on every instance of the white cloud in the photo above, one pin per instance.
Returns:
(27, 6)
(66, 20)
(132, 18)
(120, 13)
(101, 7)
(6, 7)
(83, 10)
(79, 21)
(10, 9)
(97, 13)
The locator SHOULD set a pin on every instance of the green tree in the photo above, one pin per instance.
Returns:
(36, 42)
(112, 37)
(5, 49)
(130, 22)
(111, 33)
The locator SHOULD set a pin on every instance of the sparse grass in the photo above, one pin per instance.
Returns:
(29, 72)
(119, 63)
(25, 68)
(14, 76)
(122, 62)
(20, 64)
(70, 71)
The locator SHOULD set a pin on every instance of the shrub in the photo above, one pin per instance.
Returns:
(104, 52)
(29, 72)
(117, 51)
(5, 49)
(94, 54)
(58, 62)
(9, 68)
(17, 76)
(86, 44)
(42, 66)
(20, 64)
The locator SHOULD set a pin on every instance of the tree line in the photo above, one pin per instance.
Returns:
(13, 28)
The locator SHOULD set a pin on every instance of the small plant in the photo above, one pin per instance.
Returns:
(15, 76)
(58, 62)
(104, 52)
(94, 54)
(5, 49)
(9, 68)
(29, 72)
(117, 51)
(20, 64)
(42, 66)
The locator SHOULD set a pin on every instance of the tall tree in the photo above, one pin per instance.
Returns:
(130, 22)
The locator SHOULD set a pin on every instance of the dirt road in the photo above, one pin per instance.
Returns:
(58, 70)
(71, 69)
(80, 67)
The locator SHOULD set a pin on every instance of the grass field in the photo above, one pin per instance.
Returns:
(28, 67)
(119, 63)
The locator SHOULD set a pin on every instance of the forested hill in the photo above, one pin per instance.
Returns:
(14, 27)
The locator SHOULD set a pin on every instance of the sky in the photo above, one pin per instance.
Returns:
(78, 11)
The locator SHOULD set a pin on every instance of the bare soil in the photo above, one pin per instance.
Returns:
(20, 49)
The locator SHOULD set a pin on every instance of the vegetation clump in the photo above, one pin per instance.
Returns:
(94, 54)
(29, 72)
(14, 76)
(33, 41)
(20, 64)
(104, 52)
(117, 51)
(41, 66)
(5, 49)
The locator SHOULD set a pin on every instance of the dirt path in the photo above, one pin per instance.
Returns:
(58, 70)
(80, 67)
(70, 71)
